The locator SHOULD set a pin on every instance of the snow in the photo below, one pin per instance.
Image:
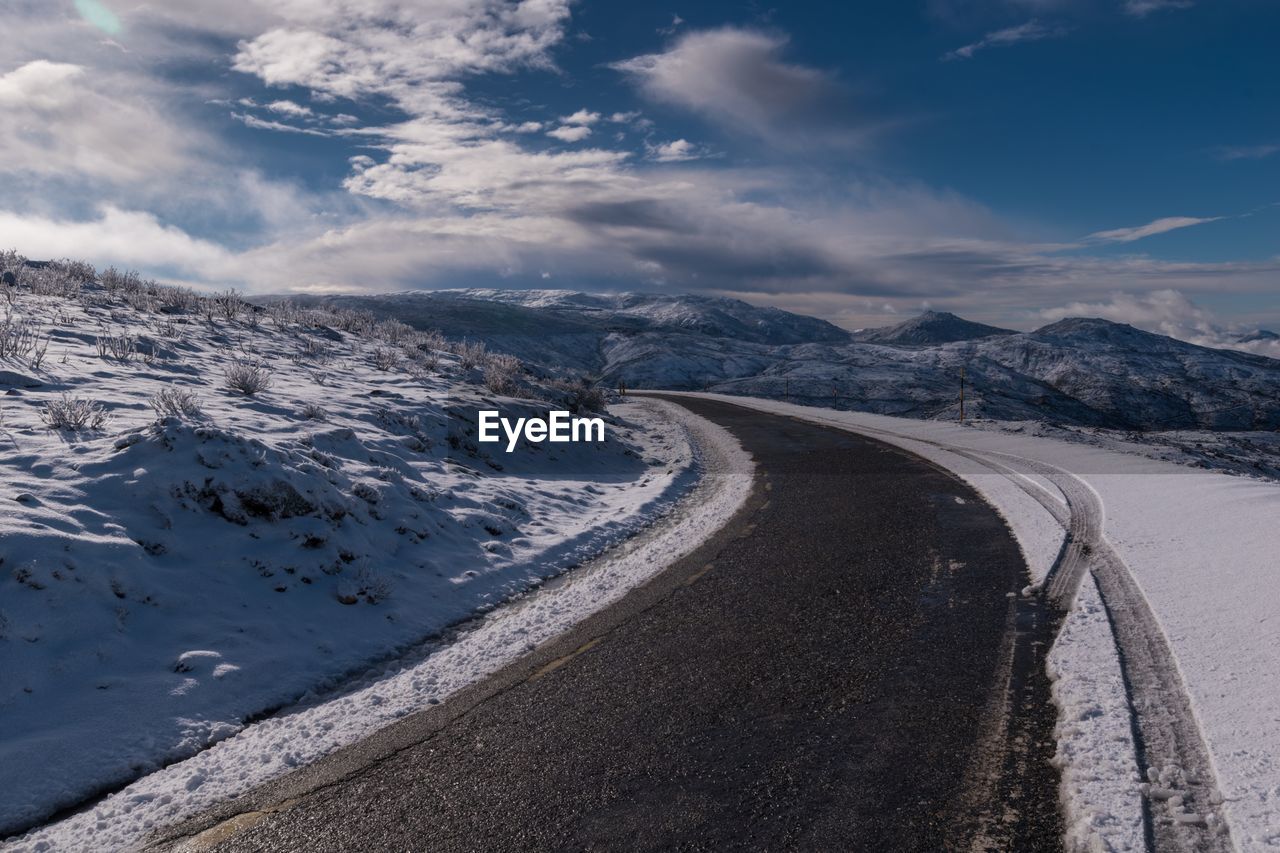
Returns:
(168, 578)
(1082, 372)
(426, 676)
(1201, 547)
(1096, 752)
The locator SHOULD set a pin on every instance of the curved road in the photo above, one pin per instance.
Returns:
(841, 668)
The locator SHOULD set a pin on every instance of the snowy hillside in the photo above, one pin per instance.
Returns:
(931, 327)
(211, 509)
(1076, 372)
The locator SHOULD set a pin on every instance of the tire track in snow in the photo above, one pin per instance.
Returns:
(1180, 793)
(1168, 739)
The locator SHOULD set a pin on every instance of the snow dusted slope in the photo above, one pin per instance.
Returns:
(1077, 372)
(1199, 549)
(1148, 380)
(580, 331)
(720, 482)
(166, 576)
(931, 327)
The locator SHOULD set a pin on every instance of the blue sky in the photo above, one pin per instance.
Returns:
(1014, 161)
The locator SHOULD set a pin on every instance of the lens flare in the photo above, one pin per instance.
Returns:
(100, 16)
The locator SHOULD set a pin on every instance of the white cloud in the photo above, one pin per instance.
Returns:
(676, 151)
(570, 133)
(59, 119)
(465, 190)
(1030, 31)
(115, 236)
(583, 117)
(267, 124)
(1159, 226)
(737, 77)
(291, 109)
(351, 48)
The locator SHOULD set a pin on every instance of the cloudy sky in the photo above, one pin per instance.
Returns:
(1014, 161)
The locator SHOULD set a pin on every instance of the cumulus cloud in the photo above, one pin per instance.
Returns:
(1159, 226)
(349, 49)
(737, 77)
(570, 133)
(61, 120)
(1030, 31)
(676, 151)
(583, 117)
(462, 188)
(124, 237)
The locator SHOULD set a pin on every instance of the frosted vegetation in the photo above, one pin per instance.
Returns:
(209, 508)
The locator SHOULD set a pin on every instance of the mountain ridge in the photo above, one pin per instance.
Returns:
(1079, 371)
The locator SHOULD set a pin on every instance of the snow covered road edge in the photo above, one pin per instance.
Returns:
(269, 749)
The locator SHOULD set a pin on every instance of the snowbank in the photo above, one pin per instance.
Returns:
(279, 744)
(166, 578)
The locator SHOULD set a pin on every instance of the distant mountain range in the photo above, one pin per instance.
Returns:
(1078, 371)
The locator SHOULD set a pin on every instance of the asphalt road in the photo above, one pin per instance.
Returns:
(841, 668)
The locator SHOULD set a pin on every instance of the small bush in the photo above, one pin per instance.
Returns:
(175, 403)
(177, 299)
(422, 363)
(430, 340)
(119, 347)
(470, 354)
(248, 379)
(393, 331)
(360, 322)
(20, 339)
(229, 304)
(582, 395)
(500, 374)
(74, 414)
(367, 584)
(116, 281)
(385, 358)
(312, 412)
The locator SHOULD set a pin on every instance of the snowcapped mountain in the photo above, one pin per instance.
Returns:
(931, 327)
(616, 336)
(1081, 372)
